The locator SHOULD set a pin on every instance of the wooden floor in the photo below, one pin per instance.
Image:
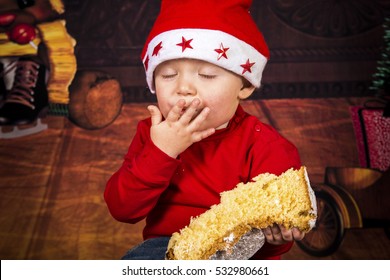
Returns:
(52, 183)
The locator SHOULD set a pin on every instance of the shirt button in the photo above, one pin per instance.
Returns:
(257, 128)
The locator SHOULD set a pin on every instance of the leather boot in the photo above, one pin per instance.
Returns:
(28, 98)
(3, 89)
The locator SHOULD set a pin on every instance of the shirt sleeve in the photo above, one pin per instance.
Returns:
(133, 191)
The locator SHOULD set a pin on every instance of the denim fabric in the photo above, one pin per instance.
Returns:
(151, 249)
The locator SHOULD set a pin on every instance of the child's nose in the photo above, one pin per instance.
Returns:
(186, 86)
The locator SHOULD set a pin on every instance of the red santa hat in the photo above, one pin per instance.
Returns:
(221, 32)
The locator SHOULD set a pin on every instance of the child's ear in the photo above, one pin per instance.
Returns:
(246, 91)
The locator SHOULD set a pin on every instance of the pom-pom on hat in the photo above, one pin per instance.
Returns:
(221, 32)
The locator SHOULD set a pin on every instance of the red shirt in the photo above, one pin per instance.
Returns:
(168, 192)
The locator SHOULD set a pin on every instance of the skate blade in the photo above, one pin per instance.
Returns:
(18, 132)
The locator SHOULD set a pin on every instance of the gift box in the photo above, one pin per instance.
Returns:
(372, 131)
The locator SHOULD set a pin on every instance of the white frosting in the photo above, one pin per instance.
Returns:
(313, 201)
(230, 238)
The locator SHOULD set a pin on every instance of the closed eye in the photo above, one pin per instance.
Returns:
(169, 76)
(207, 76)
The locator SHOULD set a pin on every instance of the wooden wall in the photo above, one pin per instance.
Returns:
(318, 48)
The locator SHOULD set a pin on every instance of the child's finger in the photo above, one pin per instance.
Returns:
(297, 234)
(276, 231)
(198, 136)
(175, 113)
(190, 112)
(199, 119)
(155, 114)
(286, 233)
(268, 233)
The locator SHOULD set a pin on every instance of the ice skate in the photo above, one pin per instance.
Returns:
(26, 102)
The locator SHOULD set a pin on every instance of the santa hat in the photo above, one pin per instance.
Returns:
(221, 32)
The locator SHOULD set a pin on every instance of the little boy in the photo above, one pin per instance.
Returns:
(201, 58)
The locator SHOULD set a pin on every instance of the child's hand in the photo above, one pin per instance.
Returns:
(180, 129)
(278, 234)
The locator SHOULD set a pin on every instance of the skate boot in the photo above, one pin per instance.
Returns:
(3, 89)
(28, 98)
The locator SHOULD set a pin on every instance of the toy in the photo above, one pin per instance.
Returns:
(38, 62)
(351, 197)
(38, 66)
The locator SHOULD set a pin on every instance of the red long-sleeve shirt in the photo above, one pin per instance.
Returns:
(168, 192)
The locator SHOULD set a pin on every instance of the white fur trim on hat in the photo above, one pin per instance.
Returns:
(213, 46)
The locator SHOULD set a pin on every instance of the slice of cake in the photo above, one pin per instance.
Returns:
(287, 200)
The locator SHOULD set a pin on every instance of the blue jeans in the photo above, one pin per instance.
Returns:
(150, 249)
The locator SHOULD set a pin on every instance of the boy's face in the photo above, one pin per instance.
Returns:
(215, 87)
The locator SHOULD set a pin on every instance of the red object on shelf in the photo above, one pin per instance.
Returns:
(6, 19)
(22, 33)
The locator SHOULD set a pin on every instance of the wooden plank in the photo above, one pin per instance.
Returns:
(26, 165)
(357, 244)
(74, 222)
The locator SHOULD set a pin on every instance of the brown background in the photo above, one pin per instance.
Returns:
(318, 48)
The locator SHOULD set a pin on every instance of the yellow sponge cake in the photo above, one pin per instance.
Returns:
(287, 200)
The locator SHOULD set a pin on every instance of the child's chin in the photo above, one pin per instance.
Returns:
(224, 125)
